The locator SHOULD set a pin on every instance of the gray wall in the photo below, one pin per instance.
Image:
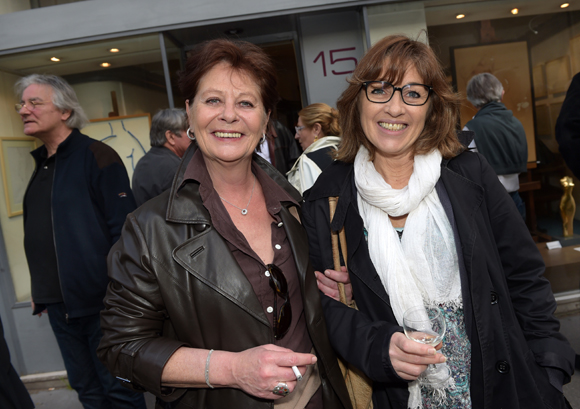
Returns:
(77, 22)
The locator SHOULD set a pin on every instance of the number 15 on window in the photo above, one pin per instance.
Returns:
(334, 60)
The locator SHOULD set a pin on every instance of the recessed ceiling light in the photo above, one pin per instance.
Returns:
(105, 64)
(55, 59)
(515, 11)
(234, 31)
(114, 50)
(460, 16)
(564, 5)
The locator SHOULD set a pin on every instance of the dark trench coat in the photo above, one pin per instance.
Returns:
(508, 303)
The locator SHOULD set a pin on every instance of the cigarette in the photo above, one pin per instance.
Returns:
(297, 373)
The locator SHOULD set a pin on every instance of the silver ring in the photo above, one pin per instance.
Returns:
(297, 373)
(281, 389)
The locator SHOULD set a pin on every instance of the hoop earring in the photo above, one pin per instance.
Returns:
(263, 138)
(190, 137)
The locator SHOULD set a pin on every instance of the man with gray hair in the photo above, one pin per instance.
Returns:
(74, 208)
(169, 141)
(499, 136)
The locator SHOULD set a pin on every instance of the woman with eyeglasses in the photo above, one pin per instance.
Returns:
(318, 133)
(212, 301)
(428, 225)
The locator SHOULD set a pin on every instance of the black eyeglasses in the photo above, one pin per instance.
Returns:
(283, 318)
(381, 92)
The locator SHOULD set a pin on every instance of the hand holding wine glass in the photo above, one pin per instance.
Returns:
(426, 325)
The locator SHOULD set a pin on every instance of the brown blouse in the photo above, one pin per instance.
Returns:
(297, 338)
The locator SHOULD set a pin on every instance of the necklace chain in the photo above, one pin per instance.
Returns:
(245, 209)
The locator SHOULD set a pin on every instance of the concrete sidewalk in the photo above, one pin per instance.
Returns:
(53, 393)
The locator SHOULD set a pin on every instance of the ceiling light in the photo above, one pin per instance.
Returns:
(460, 16)
(564, 5)
(114, 50)
(55, 59)
(234, 31)
(105, 64)
(515, 11)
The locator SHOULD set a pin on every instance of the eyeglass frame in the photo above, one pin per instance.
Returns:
(273, 270)
(18, 106)
(365, 85)
(299, 128)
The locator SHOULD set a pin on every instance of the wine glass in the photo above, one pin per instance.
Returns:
(426, 325)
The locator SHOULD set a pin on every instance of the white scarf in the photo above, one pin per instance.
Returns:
(422, 267)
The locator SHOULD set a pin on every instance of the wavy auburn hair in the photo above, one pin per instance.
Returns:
(388, 60)
(242, 56)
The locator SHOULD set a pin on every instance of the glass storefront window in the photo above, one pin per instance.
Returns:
(131, 83)
(536, 57)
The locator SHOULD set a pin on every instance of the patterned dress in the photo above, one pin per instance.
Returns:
(457, 349)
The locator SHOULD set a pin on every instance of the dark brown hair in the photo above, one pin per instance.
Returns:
(242, 56)
(388, 60)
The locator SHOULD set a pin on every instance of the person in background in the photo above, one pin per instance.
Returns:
(568, 135)
(74, 208)
(212, 301)
(428, 224)
(318, 132)
(13, 393)
(169, 141)
(568, 127)
(278, 147)
(499, 136)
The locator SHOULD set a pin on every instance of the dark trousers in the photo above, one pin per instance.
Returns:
(78, 339)
(519, 203)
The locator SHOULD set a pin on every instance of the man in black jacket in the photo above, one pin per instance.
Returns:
(74, 208)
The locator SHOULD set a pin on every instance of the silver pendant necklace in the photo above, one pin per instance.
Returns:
(244, 210)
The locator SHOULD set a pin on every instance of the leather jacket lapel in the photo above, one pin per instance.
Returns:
(207, 257)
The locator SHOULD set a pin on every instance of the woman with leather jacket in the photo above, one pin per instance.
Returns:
(212, 301)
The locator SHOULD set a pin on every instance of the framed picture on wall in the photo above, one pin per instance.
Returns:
(17, 167)
(128, 135)
(510, 63)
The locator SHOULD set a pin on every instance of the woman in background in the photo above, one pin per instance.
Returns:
(318, 133)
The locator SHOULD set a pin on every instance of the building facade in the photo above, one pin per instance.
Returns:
(123, 58)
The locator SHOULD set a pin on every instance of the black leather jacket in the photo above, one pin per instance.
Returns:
(175, 283)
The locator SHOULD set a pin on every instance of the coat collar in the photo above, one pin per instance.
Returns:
(465, 195)
(75, 140)
(206, 254)
(179, 209)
